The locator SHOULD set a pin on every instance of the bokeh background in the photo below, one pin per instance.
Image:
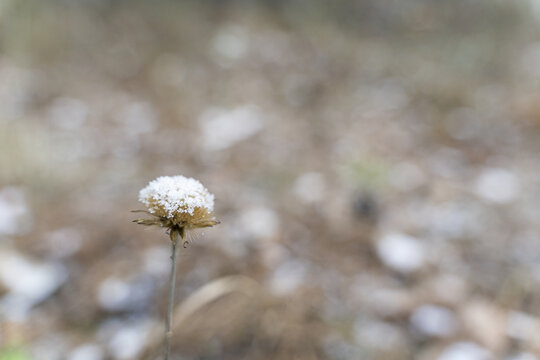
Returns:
(375, 164)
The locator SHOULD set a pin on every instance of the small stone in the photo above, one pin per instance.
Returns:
(453, 220)
(117, 294)
(231, 42)
(310, 187)
(222, 128)
(130, 340)
(378, 335)
(465, 351)
(14, 218)
(522, 356)
(87, 352)
(522, 326)
(401, 252)
(288, 277)
(51, 347)
(258, 222)
(497, 185)
(113, 294)
(28, 282)
(432, 320)
(63, 242)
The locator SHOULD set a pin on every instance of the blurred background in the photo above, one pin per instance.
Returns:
(375, 165)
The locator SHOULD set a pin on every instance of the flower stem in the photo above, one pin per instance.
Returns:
(172, 280)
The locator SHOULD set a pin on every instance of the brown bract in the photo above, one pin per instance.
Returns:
(179, 223)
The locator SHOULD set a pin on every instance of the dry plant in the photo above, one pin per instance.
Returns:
(234, 317)
(178, 204)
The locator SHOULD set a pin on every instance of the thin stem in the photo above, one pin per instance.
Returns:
(172, 281)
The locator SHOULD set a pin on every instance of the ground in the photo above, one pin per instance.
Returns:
(375, 167)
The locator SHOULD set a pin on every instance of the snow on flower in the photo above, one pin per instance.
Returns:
(180, 199)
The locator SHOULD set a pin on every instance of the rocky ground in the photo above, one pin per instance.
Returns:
(375, 166)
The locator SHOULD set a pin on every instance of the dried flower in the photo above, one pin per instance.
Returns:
(177, 203)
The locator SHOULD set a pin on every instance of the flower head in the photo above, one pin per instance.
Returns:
(179, 203)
